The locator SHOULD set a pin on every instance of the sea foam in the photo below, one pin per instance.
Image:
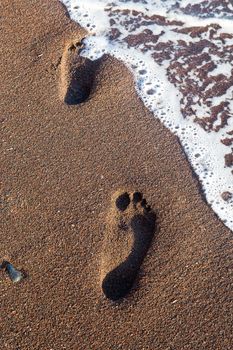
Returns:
(180, 54)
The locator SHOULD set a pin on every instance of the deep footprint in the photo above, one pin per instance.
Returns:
(77, 74)
(130, 230)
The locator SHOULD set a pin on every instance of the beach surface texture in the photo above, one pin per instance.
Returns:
(108, 237)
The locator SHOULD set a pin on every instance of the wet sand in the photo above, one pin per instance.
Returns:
(61, 165)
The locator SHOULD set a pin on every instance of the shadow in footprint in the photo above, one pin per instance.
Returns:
(123, 201)
(79, 76)
(118, 282)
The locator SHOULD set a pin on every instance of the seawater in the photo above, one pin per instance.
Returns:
(181, 57)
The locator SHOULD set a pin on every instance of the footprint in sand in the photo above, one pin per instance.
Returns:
(131, 225)
(77, 74)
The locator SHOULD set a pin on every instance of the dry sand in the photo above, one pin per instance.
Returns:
(60, 166)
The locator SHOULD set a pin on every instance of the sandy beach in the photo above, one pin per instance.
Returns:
(62, 167)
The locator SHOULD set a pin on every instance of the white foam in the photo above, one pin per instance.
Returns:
(205, 150)
(224, 68)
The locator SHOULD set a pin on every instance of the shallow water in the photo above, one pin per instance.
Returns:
(181, 56)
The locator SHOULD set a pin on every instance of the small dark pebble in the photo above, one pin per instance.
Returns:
(14, 274)
(226, 196)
